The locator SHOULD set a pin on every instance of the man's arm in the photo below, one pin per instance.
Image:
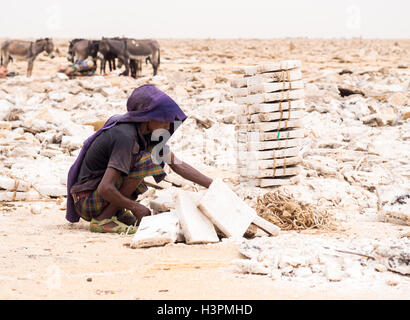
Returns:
(187, 172)
(111, 194)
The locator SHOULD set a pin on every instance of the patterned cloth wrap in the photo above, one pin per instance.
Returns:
(89, 204)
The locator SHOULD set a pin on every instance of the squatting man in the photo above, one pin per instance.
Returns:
(108, 175)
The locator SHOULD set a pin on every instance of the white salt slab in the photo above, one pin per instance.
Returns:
(271, 97)
(267, 145)
(279, 76)
(266, 226)
(244, 136)
(269, 67)
(226, 210)
(271, 126)
(269, 173)
(269, 164)
(12, 196)
(239, 92)
(274, 107)
(273, 116)
(263, 183)
(275, 86)
(291, 75)
(196, 226)
(266, 88)
(239, 82)
(282, 65)
(264, 155)
(269, 182)
(265, 164)
(8, 183)
(156, 230)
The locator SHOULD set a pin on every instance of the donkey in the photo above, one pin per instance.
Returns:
(125, 52)
(27, 50)
(130, 52)
(70, 53)
(155, 58)
(81, 49)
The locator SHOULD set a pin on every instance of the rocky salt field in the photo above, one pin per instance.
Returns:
(356, 165)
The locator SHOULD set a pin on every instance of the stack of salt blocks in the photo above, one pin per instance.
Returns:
(269, 123)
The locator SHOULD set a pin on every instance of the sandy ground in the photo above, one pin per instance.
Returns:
(42, 256)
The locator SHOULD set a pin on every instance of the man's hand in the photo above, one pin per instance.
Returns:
(187, 172)
(111, 194)
(140, 211)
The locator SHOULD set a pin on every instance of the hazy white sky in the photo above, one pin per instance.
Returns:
(206, 18)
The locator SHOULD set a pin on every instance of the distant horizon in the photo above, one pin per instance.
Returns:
(210, 19)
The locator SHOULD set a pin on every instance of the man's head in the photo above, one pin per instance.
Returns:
(152, 125)
(155, 108)
(155, 125)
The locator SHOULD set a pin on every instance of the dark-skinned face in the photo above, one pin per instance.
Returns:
(154, 125)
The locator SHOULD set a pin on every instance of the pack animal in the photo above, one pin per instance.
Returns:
(26, 50)
(131, 53)
(81, 49)
(70, 53)
(155, 57)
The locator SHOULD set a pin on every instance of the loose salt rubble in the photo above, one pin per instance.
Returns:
(397, 210)
(305, 258)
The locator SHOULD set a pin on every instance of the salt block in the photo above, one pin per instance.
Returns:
(282, 65)
(163, 203)
(239, 92)
(156, 230)
(271, 126)
(275, 182)
(226, 210)
(275, 107)
(238, 83)
(291, 75)
(255, 136)
(270, 173)
(265, 155)
(266, 145)
(274, 163)
(8, 183)
(52, 190)
(196, 226)
(269, 67)
(266, 226)
(12, 196)
(273, 116)
(271, 97)
(275, 86)
(265, 164)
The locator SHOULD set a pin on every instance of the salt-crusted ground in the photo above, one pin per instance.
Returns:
(356, 164)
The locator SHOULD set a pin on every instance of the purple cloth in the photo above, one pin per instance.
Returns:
(145, 103)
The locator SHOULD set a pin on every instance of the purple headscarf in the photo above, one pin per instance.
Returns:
(145, 103)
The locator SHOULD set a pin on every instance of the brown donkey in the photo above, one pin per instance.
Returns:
(26, 50)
